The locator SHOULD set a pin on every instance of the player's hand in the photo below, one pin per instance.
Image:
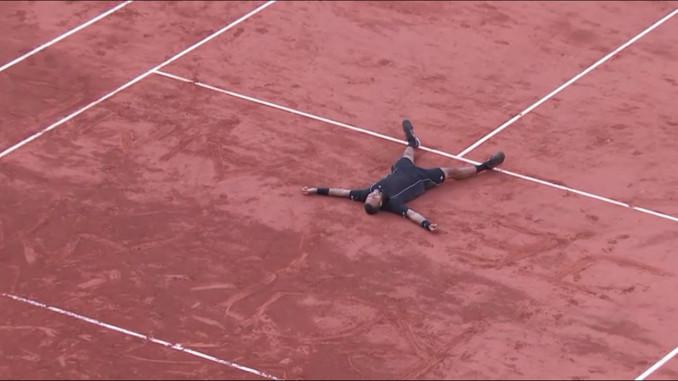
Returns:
(433, 227)
(308, 190)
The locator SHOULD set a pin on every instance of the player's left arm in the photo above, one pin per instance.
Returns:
(420, 220)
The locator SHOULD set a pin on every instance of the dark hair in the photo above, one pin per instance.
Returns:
(370, 209)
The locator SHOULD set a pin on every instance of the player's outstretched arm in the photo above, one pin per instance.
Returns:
(421, 220)
(335, 192)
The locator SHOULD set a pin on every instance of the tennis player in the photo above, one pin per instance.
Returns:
(406, 182)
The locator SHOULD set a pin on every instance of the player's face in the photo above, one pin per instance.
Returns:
(375, 198)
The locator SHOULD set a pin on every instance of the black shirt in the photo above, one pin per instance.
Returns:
(405, 182)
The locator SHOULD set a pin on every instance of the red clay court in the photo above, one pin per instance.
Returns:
(152, 224)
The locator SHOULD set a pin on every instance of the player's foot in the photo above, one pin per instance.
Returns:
(495, 160)
(412, 140)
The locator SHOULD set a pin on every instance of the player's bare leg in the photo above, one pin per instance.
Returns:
(460, 173)
(409, 153)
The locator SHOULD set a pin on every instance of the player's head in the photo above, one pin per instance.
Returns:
(373, 202)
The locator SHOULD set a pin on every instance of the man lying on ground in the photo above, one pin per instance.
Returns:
(406, 182)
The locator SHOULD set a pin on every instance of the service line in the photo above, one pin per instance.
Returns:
(395, 140)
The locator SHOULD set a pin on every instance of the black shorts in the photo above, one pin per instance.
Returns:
(436, 175)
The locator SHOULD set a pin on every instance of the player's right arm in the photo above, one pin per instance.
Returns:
(335, 192)
(401, 209)
(420, 220)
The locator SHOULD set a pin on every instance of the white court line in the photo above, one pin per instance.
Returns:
(166, 344)
(133, 81)
(659, 364)
(566, 84)
(392, 139)
(61, 37)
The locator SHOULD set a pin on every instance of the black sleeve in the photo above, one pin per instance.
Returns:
(359, 194)
(396, 207)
